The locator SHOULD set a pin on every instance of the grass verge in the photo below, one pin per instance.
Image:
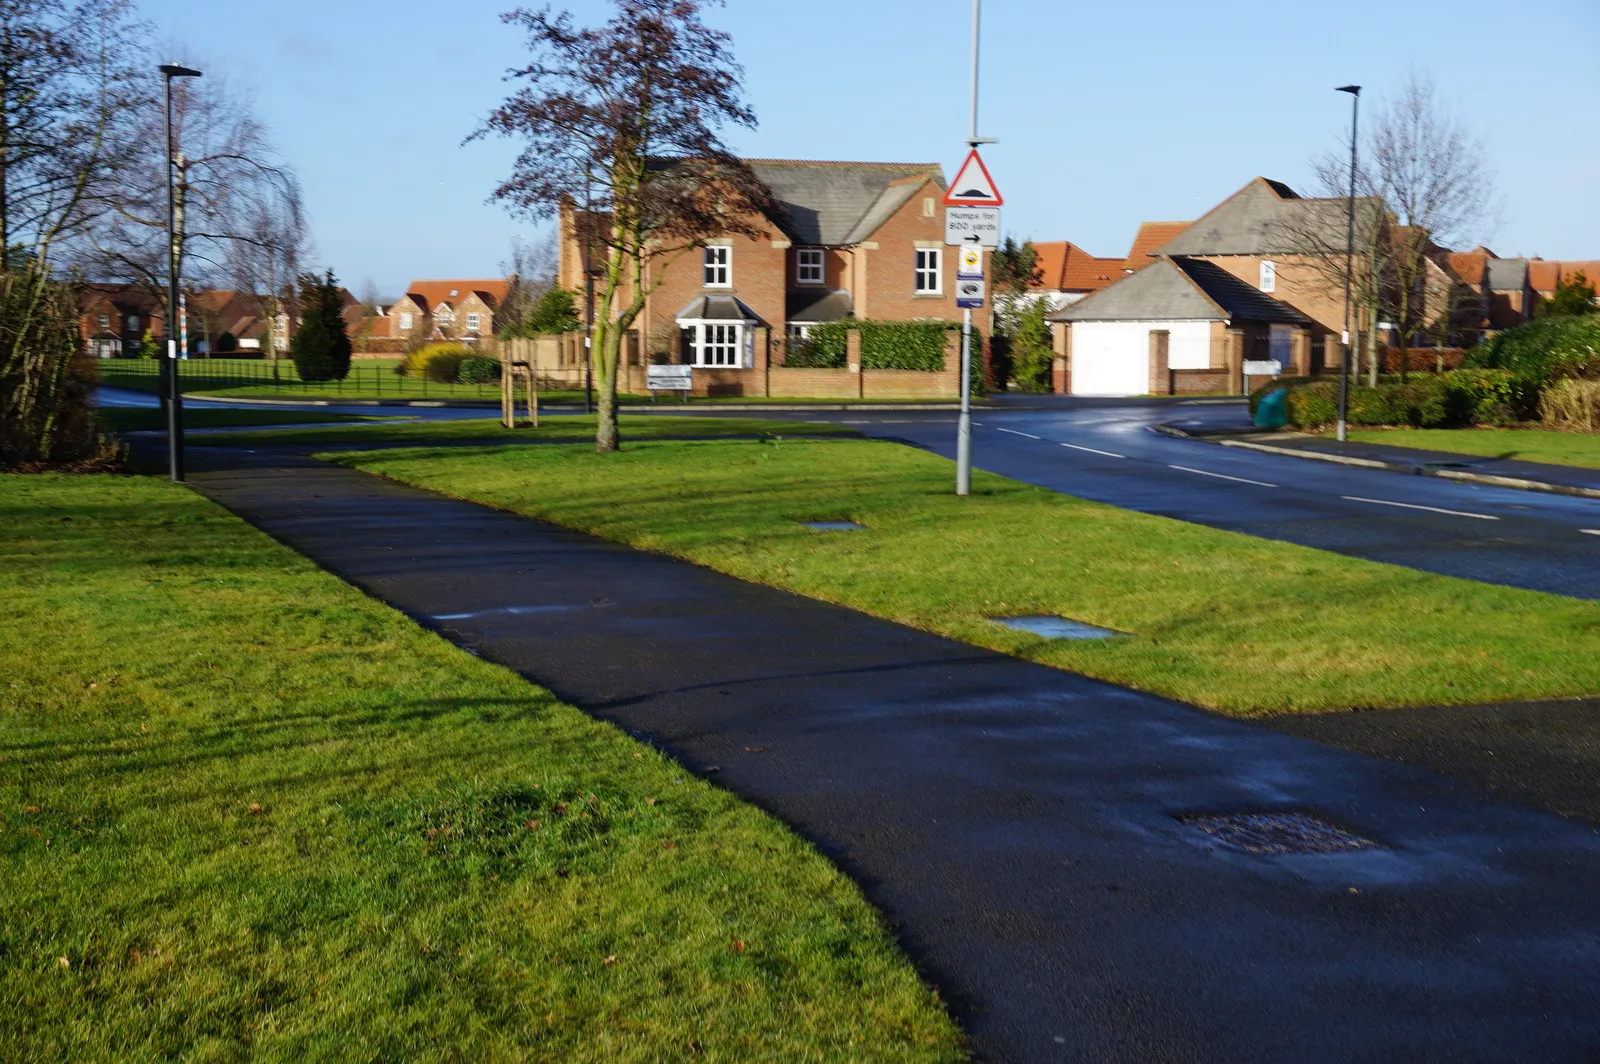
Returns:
(1527, 445)
(1238, 624)
(556, 427)
(136, 419)
(247, 812)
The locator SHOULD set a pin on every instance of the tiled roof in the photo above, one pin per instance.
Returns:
(1266, 217)
(1177, 289)
(430, 294)
(1063, 266)
(1506, 275)
(1468, 265)
(819, 306)
(1545, 277)
(839, 203)
(1148, 240)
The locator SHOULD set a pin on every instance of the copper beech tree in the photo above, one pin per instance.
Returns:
(622, 120)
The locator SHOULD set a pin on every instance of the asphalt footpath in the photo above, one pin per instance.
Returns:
(1087, 873)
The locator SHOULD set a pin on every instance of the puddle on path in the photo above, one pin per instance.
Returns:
(514, 611)
(1053, 627)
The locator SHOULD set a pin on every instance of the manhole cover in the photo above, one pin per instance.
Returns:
(1053, 627)
(834, 526)
(1278, 833)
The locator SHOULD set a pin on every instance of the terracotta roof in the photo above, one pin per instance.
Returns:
(1468, 265)
(430, 294)
(1065, 267)
(1545, 277)
(1151, 236)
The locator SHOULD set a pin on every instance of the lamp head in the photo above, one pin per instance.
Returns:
(1353, 90)
(173, 70)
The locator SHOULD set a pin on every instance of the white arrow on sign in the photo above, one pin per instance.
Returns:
(973, 187)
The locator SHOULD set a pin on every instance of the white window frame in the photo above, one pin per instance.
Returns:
(928, 268)
(133, 323)
(407, 320)
(803, 267)
(444, 315)
(717, 266)
(474, 322)
(719, 344)
(1269, 276)
(799, 330)
(105, 321)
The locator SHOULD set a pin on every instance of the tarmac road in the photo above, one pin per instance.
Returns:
(1109, 452)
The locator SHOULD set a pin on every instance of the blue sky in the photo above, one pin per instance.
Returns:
(1107, 113)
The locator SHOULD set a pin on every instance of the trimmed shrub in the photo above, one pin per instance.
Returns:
(1495, 396)
(439, 362)
(227, 344)
(914, 345)
(477, 369)
(1546, 349)
(1572, 404)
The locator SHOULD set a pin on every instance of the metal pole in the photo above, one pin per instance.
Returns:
(964, 421)
(964, 424)
(174, 391)
(588, 296)
(1349, 265)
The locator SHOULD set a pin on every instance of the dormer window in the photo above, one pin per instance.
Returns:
(719, 267)
(445, 314)
(1269, 276)
(808, 266)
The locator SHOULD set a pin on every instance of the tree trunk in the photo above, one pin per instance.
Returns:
(607, 439)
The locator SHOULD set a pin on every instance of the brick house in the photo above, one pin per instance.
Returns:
(862, 240)
(116, 317)
(445, 310)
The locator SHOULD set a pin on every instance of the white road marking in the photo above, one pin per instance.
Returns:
(1224, 476)
(1414, 506)
(1094, 450)
(1590, 531)
(1014, 432)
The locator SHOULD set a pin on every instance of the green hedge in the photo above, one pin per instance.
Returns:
(478, 370)
(1547, 349)
(914, 345)
(1447, 400)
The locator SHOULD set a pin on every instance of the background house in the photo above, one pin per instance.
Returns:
(460, 310)
(1065, 273)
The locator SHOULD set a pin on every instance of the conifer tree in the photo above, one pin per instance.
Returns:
(321, 345)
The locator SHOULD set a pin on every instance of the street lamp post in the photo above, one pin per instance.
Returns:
(1349, 262)
(173, 393)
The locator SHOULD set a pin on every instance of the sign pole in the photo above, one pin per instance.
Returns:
(964, 421)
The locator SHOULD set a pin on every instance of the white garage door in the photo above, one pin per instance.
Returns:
(1110, 357)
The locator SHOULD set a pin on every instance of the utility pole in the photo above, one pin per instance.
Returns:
(174, 392)
(964, 422)
(1349, 262)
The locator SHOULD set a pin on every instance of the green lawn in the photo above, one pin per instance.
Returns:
(555, 427)
(1528, 445)
(133, 419)
(1239, 624)
(248, 813)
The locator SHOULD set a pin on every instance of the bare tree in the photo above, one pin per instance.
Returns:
(530, 273)
(624, 118)
(70, 86)
(239, 215)
(1432, 176)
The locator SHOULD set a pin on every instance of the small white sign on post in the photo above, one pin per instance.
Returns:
(669, 379)
(969, 262)
(969, 294)
(1268, 367)
(963, 224)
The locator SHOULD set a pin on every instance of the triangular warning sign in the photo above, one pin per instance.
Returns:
(973, 187)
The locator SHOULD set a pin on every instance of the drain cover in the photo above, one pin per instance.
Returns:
(833, 526)
(1272, 834)
(1053, 627)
